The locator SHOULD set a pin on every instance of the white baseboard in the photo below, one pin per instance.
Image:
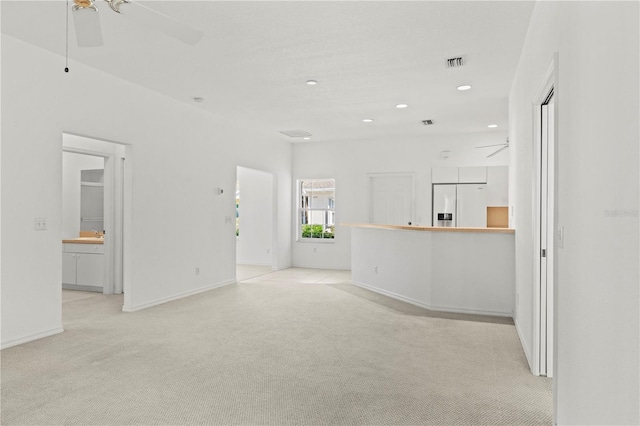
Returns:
(391, 294)
(31, 337)
(525, 348)
(337, 268)
(176, 296)
(432, 307)
(471, 311)
(249, 263)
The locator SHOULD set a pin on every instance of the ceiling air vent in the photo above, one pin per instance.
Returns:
(456, 62)
(427, 122)
(295, 133)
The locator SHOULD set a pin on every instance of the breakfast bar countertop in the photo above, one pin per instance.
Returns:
(429, 228)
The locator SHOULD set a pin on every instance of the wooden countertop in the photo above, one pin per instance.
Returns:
(431, 228)
(84, 240)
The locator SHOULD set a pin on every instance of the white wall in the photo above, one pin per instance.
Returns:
(181, 154)
(253, 246)
(350, 162)
(597, 314)
(498, 186)
(72, 165)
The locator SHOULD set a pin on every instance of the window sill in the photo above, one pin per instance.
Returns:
(316, 240)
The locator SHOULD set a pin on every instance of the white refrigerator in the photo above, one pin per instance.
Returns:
(460, 205)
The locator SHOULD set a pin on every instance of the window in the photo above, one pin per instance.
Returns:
(316, 208)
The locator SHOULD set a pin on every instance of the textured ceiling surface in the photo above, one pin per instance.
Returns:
(254, 59)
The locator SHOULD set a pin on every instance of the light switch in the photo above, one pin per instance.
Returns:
(227, 219)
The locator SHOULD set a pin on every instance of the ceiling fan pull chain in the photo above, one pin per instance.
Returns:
(66, 54)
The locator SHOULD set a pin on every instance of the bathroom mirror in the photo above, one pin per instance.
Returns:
(92, 200)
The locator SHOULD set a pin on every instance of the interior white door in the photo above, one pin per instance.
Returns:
(472, 205)
(546, 238)
(391, 199)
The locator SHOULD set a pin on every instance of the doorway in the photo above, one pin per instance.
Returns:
(108, 259)
(544, 254)
(255, 223)
(83, 221)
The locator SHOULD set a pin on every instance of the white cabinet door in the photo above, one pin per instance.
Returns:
(90, 269)
(444, 175)
(472, 206)
(472, 175)
(68, 268)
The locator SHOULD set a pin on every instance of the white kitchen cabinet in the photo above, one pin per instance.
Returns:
(444, 175)
(472, 175)
(459, 174)
(83, 266)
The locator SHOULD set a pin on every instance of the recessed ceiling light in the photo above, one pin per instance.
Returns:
(306, 138)
(464, 87)
(400, 106)
(312, 82)
(197, 99)
(492, 126)
(368, 120)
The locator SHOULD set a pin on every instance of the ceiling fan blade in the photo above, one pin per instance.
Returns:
(487, 146)
(501, 149)
(87, 26)
(157, 21)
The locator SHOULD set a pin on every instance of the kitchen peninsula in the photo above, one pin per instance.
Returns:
(466, 270)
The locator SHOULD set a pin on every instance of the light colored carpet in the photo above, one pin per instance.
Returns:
(273, 350)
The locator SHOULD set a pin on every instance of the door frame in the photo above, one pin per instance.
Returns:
(544, 306)
(274, 217)
(412, 201)
(117, 189)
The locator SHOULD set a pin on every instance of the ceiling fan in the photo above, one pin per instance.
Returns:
(502, 145)
(89, 33)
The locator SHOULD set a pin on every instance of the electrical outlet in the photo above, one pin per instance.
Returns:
(375, 269)
(197, 270)
(315, 250)
(41, 224)
(268, 251)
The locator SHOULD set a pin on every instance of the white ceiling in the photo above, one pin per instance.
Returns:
(254, 59)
